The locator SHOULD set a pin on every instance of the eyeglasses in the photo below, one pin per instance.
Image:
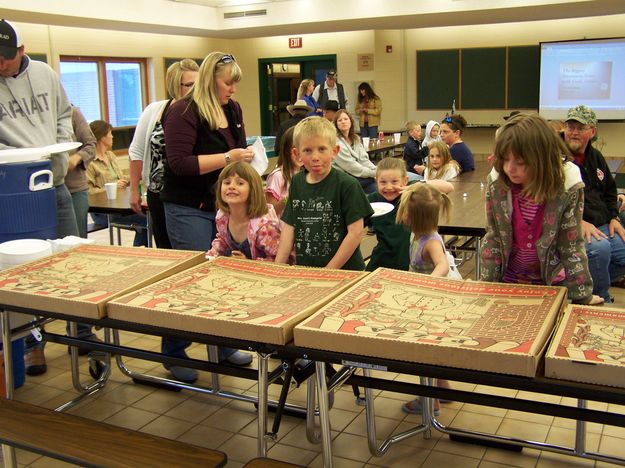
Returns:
(187, 85)
(572, 128)
(448, 120)
(227, 59)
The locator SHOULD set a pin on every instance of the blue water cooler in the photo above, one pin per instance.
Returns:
(27, 201)
(27, 211)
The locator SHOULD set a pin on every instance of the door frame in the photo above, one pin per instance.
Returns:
(263, 81)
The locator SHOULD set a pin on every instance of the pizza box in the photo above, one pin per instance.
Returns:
(227, 297)
(589, 346)
(80, 281)
(411, 317)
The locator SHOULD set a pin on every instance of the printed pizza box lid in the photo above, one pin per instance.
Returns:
(419, 318)
(589, 346)
(250, 300)
(81, 280)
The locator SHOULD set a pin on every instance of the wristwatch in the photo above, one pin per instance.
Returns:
(227, 157)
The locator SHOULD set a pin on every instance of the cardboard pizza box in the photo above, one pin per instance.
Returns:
(82, 280)
(250, 300)
(405, 316)
(589, 346)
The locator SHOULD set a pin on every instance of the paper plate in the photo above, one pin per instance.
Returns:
(381, 208)
(62, 147)
(16, 155)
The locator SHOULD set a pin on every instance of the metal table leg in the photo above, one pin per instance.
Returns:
(8, 452)
(324, 414)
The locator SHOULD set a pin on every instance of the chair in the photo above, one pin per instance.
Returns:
(129, 227)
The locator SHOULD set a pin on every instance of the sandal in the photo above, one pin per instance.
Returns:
(414, 407)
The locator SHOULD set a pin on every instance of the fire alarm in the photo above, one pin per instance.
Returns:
(389, 49)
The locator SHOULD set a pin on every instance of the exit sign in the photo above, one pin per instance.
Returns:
(295, 42)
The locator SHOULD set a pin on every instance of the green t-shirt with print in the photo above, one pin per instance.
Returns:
(393, 247)
(320, 214)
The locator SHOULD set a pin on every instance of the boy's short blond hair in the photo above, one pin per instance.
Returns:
(314, 127)
(412, 125)
(391, 164)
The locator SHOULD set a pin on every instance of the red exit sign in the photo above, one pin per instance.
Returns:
(295, 42)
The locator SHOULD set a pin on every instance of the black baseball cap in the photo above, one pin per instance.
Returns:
(331, 73)
(331, 105)
(9, 42)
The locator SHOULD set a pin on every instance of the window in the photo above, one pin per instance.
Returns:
(111, 89)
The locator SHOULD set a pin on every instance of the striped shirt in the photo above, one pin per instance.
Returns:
(523, 264)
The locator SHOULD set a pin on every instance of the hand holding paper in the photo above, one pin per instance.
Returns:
(260, 161)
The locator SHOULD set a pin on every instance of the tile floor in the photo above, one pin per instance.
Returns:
(230, 426)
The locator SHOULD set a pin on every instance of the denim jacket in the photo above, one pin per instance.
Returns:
(560, 245)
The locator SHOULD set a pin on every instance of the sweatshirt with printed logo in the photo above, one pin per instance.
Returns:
(35, 112)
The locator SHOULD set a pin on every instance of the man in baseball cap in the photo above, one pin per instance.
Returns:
(330, 90)
(40, 115)
(11, 50)
(601, 227)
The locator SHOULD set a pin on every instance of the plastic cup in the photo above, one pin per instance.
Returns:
(365, 142)
(111, 190)
(397, 137)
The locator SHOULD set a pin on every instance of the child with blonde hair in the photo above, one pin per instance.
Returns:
(325, 211)
(279, 180)
(247, 226)
(392, 249)
(420, 210)
(440, 164)
(415, 152)
(534, 204)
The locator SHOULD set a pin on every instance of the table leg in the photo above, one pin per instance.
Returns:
(478, 262)
(8, 452)
(324, 414)
(111, 239)
(263, 366)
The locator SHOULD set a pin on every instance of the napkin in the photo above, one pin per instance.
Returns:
(260, 161)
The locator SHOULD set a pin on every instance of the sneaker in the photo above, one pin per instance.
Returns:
(183, 374)
(35, 361)
(414, 407)
(85, 351)
(239, 358)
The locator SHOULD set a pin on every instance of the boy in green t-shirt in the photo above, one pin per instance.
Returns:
(324, 215)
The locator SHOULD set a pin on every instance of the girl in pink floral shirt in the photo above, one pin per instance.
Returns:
(247, 227)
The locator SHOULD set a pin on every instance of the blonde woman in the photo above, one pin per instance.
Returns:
(147, 149)
(204, 132)
(305, 92)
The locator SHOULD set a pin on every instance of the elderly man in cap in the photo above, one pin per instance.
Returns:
(604, 233)
(330, 90)
(35, 112)
(298, 111)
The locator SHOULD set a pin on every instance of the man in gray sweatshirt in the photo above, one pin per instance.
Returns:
(35, 112)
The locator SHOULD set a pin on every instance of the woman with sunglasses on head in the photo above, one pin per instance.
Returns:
(204, 132)
(451, 130)
(147, 149)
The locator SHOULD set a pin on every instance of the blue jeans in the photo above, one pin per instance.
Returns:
(67, 227)
(80, 201)
(606, 262)
(188, 229)
(65, 213)
(371, 132)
